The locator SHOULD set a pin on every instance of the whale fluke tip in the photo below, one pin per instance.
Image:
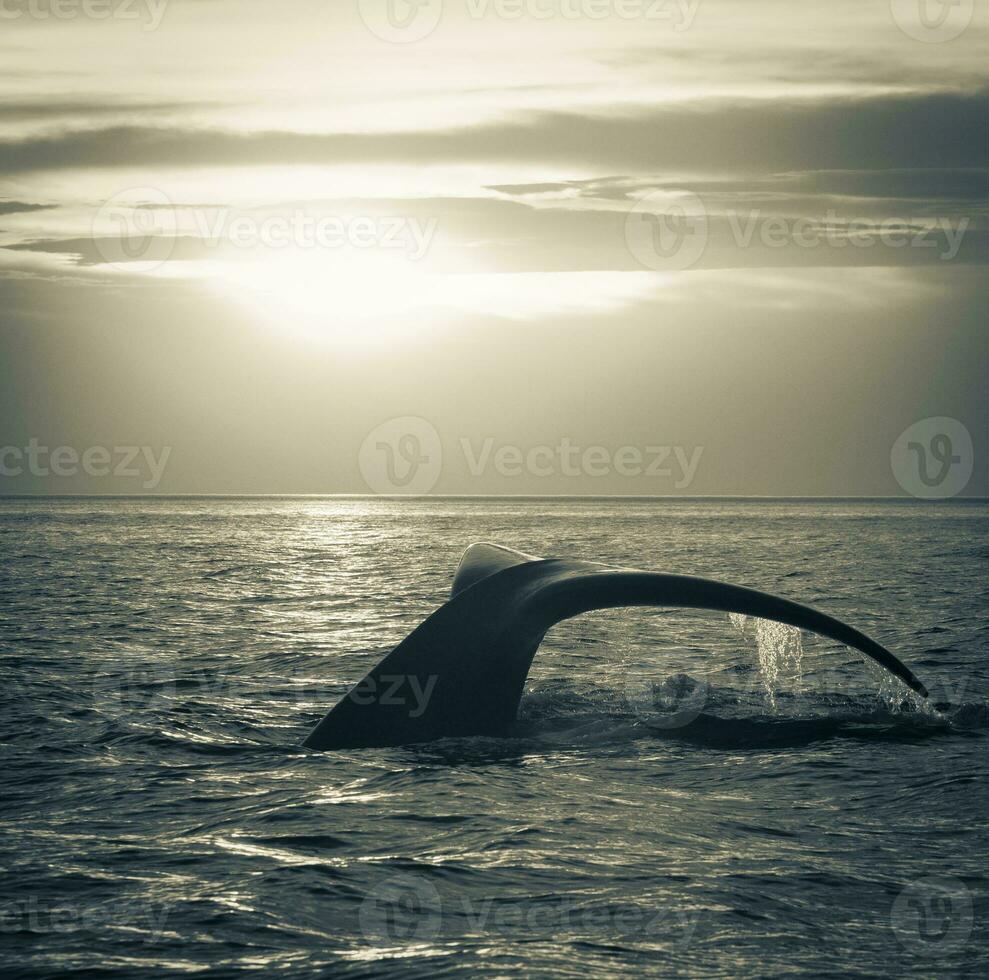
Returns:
(482, 560)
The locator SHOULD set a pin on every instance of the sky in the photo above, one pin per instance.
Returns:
(494, 247)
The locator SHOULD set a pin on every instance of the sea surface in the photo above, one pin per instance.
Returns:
(684, 794)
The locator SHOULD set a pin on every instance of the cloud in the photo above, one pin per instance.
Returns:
(511, 237)
(546, 187)
(803, 64)
(880, 185)
(19, 207)
(94, 251)
(934, 131)
(28, 109)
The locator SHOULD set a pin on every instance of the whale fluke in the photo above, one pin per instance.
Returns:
(462, 670)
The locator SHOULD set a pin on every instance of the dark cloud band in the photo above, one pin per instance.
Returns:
(935, 131)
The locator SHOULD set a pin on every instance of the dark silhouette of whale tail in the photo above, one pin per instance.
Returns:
(462, 671)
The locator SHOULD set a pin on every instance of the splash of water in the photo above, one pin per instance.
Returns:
(892, 694)
(781, 655)
(780, 650)
(739, 621)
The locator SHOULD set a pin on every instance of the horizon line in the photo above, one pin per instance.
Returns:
(234, 494)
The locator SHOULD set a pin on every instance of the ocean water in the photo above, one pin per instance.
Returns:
(684, 794)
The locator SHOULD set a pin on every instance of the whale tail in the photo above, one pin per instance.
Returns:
(462, 671)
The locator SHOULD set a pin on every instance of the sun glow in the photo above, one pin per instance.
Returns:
(370, 297)
(349, 297)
